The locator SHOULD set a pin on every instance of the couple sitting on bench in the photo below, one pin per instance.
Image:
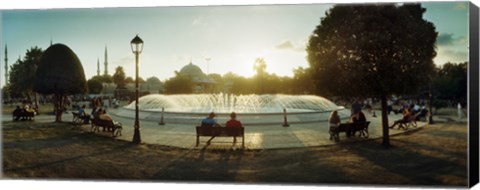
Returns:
(211, 122)
(26, 113)
(358, 123)
(210, 127)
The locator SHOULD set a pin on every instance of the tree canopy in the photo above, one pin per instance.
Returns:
(119, 77)
(451, 81)
(94, 86)
(22, 73)
(60, 73)
(372, 51)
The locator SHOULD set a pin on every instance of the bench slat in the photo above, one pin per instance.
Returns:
(220, 132)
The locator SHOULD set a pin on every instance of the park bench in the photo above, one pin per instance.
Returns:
(22, 115)
(350, 129)
(107, 125)
(411, 121)
(78, 120)
(221, 132)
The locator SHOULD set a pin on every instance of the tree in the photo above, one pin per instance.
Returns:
(302, 82)
(103, 78)
(94, 86)
(22, 73)
(451, 81)
(219, 84)
(59, 73)
(179, 84)
(372, 51)
(260, 67)
(119, 77)
(129, 80)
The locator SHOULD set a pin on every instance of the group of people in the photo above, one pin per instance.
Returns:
(23, 112)
(210, 121)
(357, 116)
(97, 113)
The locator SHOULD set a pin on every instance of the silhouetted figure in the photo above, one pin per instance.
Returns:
(233, 122)
(210, 121)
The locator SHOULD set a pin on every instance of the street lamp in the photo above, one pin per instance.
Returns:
(137, 47)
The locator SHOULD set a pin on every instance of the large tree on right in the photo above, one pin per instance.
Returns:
(372, 51)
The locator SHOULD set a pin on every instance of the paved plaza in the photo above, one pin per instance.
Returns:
(256, 136)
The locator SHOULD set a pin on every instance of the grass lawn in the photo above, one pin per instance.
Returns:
(434, 155)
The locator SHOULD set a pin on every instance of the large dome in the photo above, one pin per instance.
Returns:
(191, 70)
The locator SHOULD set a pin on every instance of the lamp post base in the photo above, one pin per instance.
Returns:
(136, 136)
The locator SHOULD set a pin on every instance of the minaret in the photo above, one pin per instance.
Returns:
(106, 62)
(98, 67)
(6, 65)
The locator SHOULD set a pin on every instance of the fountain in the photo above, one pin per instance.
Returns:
(250, 109)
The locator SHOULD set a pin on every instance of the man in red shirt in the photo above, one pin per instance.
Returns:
(233, 122)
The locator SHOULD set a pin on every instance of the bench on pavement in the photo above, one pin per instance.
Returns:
(213, 132)
(110, 126)
(350, 129)
(411, 121)
(22, 115)
(78, 120)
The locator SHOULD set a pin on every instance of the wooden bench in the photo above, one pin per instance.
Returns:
(107, 126)
(411, 121)
(221, 132)
(349, 129)
(22, 115)
(78, 120)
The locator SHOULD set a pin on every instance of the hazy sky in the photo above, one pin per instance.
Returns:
(231, 37)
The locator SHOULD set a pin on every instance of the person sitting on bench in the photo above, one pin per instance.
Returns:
(334, 119)
(358, 117)
(96, 114)
(233, 122)
(17, 113)
(210, 121)
(82, 114)
(104, 116)
(405, 118)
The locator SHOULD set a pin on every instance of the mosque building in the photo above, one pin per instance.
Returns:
(202, 83)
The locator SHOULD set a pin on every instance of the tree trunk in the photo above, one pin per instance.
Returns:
(36, 100)
(58, 107)
(386, 137)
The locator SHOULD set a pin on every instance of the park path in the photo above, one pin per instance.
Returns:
(256, 136)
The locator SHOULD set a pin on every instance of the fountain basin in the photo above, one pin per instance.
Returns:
(251, 109)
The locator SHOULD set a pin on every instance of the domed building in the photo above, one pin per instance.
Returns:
(203, 83)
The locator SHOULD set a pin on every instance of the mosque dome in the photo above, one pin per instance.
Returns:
(191, 70)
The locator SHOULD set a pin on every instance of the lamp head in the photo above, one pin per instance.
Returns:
(137, 44)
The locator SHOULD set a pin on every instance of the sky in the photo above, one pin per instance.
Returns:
(219, 39)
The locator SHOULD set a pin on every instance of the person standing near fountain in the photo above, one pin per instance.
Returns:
(210, 121)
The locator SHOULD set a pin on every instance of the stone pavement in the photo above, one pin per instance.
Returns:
(256, 137)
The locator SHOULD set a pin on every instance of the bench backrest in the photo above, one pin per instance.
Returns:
(101, 122)
(220, 131)
(23, 113)
(358, 125)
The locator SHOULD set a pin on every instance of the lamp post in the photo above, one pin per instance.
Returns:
(137, 47)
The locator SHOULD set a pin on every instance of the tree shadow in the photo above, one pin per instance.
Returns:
(419, 169)
(104, 151)
(203, 165)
